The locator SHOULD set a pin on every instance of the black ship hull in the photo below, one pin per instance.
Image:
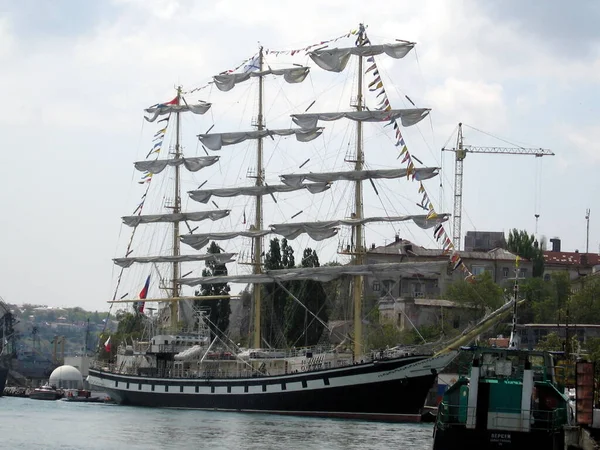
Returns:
(392, 390)
(461, 438)
(3, 377)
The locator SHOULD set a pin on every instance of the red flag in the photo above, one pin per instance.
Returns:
(107, 345)
(144, 291)
(175, 101)
(143, 295)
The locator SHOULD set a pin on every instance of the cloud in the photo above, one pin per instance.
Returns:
(479, 102)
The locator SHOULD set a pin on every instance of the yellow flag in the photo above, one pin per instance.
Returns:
(517, 261)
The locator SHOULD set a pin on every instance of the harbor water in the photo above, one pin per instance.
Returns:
(27, 424)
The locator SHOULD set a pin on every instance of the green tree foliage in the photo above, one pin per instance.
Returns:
(218, 309)
(585, 303)
(526, 246)
(551, 343)
(546, 299)
(481, 295)
(280, 256)
(302, 328)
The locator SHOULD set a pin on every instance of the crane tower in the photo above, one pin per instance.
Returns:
(460, 152)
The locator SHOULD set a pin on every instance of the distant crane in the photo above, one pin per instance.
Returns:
(461, 151)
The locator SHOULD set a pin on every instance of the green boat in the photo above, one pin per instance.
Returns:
(509, 400)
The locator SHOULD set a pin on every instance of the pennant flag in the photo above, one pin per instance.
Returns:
(375, 81)
(421, 188)
(371, 68)
(457, 263)
(378, 86)
(244, 222)
(439, 234)
(107, 345)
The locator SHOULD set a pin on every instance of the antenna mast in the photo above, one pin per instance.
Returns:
(587, 231)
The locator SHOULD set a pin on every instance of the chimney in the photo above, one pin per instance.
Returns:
(373, 246)
(397, 239)
(555, 244)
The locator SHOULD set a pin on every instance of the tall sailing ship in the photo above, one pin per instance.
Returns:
(178, 368)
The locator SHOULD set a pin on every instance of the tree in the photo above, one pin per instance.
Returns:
(279, 256)
(584, 306)
(300, 326)
(219, 308)
(526, 246)
(480, 295)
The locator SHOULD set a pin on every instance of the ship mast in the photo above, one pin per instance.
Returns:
(358, 209)
(176, 210)
(258, 213)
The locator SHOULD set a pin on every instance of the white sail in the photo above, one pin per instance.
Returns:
(204, 195)
(408, 117)
(421, 173)
(221, 258)
(325, 273)
(326, 229)
(162, 109)
(336, 59)
(215, 141)
(134, 221)
(191, 164)
(227, 81)
(200, 240)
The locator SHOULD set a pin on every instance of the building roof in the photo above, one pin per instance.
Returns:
(407, 248)
(571, 258)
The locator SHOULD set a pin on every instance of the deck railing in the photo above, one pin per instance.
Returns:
(503, 418)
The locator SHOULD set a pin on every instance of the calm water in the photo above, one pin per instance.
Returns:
(34, 424)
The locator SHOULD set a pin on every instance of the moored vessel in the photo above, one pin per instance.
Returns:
(204, 370)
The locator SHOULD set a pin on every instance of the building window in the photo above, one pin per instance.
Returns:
(456, 322)
(477, 270)
(523, 272)
(388, 287)
(547, 277)
(376, 286)
(505, 271)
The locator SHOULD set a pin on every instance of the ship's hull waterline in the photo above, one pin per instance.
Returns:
(389, 390)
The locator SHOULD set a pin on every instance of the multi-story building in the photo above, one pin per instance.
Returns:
(576, 264)
(419, 300)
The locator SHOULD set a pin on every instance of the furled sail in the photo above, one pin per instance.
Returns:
(421, 173)
(227, 81)
(165, 108)
(408, 117)
(215, 141)
(220, 258)
(325, 273)
(204, 195)
(191, 164)
(200, 240)
(336, 59)
(328, 228)
(134, 221)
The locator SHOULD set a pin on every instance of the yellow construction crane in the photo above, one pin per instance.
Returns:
(461, 151)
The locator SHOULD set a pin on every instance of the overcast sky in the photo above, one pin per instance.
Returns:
(76, 76)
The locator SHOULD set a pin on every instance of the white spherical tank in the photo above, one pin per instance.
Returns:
(66, 377)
